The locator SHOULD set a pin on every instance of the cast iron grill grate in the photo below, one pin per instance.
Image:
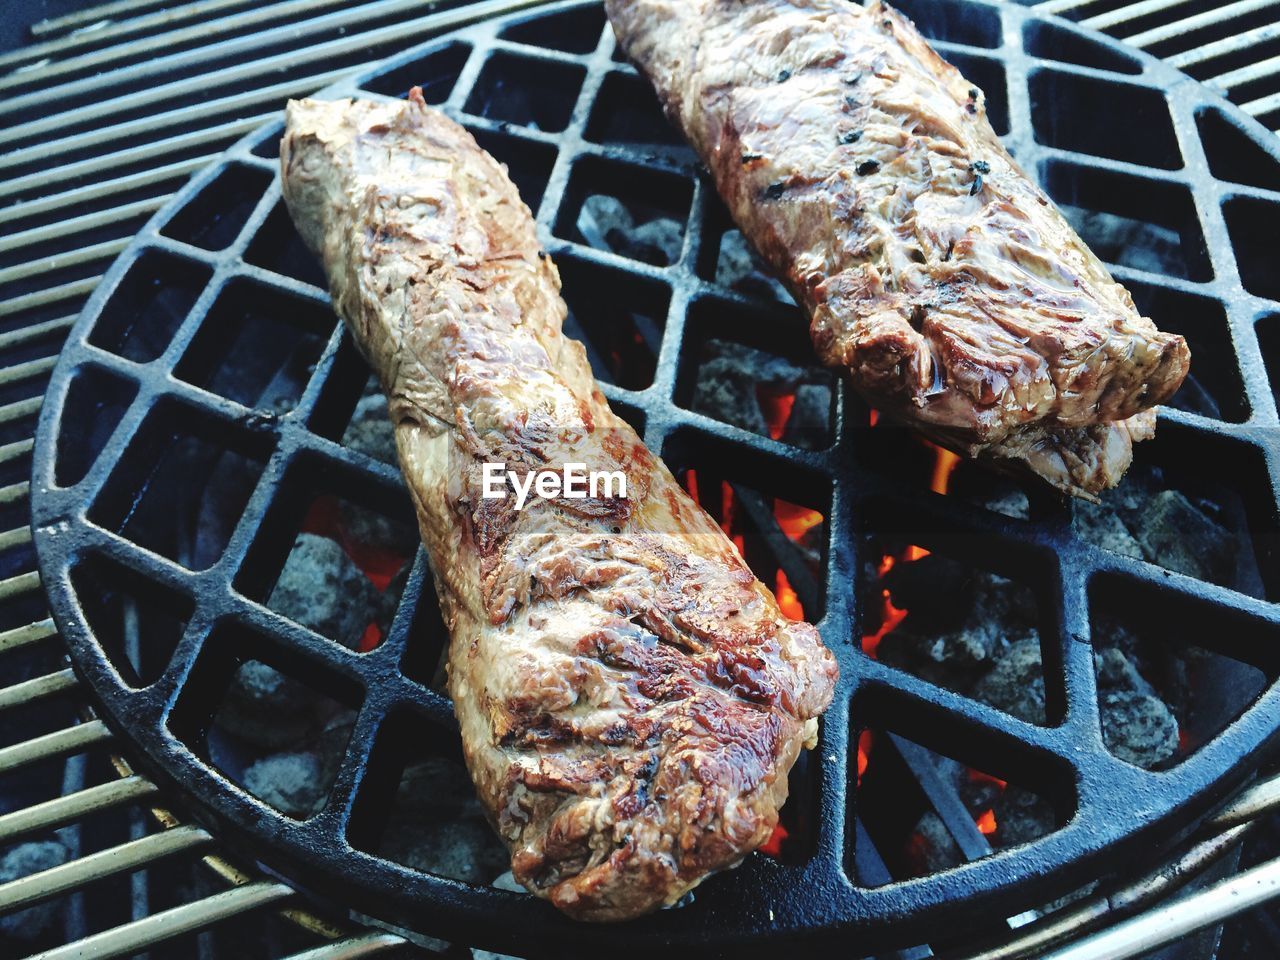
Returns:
(100, 493)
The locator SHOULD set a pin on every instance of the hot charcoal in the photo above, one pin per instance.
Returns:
(764, 393)
(437, 825)
(1147, 518)
(740, 268)
(321, 588)
(607, 224)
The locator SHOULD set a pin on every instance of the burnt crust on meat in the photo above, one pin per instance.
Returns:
(629, 695)
(864, 170)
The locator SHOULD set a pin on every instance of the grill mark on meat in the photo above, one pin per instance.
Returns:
(630, 698)
(1028, 343)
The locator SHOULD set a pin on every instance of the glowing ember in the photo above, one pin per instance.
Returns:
(773, 846)
(380, 565)
(788, 602)
(691, 485)
(944, 464)
(776, 408)
(795, 520)
(986, 823)
(890, 617)
(864, 753)
(977, 776)
(371, 638)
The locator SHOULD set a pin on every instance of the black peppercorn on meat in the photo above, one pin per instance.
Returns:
(864, 170)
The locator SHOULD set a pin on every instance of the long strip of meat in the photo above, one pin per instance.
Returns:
(863, 168)
(629, 695)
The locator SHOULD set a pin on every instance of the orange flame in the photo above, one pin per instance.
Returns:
(986, 822)
(890, 617)
(795, 520)
(944, 464)
(776, 408)
(691, 485)
(977, 776)
(773, 846)
(864, 752)
(788, 602)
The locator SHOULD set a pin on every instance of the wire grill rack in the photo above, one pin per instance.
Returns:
(79, 186)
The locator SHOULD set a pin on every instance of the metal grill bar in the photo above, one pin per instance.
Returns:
(96, 191)
(130, 938)
(98, 866)
(353, 948)
(124, 28)
(37, 689)
(98, 251)
(90, 15)
(1200, 21)
(220, 133)
(1131, 12)
(1172, 922)
(72, 806)
(232, 48)
(51, 745)
(29, 635)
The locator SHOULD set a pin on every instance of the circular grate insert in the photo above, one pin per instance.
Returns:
(197, 422)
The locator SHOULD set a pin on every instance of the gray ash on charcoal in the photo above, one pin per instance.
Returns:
(607, 224)
(321, 588)
(437, 825)
(976, 634)
(966, 630)
(740, 268)
(735, 384)
(1147, 519)
(370, 431)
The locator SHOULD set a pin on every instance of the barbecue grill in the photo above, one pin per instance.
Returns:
(139, 377)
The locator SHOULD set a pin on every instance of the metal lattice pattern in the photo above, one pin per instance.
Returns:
(590, 110)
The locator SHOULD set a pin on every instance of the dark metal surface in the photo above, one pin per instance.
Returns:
(1110, 808)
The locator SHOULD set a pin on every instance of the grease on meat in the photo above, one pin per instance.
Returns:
(630, 697)
(863, 168)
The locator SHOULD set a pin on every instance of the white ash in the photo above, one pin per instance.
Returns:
(322, 589)
(1137, 727)
(23, 860)
(1007, 498)
(740, 268)
(1145, 518)
(266, 708)
(1175, 534)
(438, 826)
(607, 224)
(1016, 683)
(1100, 525)
(370, 431)
(293, 783)
(1021, 816)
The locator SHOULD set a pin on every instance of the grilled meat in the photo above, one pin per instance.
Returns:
(629, 695)
(863, 168)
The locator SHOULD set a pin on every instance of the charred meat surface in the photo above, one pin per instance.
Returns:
(863, 168)
(629, 695)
